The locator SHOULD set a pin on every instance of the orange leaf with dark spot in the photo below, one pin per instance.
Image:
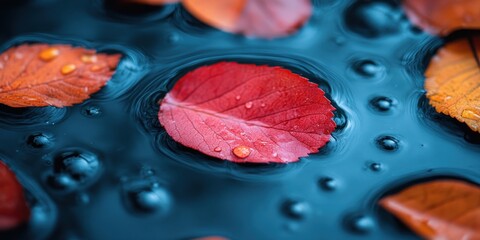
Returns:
(441, 209)
(453, 81)
(13, 206)
(39, 75)
(248, 113)
(442, 17)
(261, 18)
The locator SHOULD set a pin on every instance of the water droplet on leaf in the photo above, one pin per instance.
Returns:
(49, 54)
(241, 151)
(248, 105)
(69, 68)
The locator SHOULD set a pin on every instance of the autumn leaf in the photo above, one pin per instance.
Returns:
(39, 75)
(441, 209)
(13, 206)
(453, 81)
(247, 113)
(260, 18)
(442, 17)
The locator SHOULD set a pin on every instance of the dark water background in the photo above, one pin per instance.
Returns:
(132, 181)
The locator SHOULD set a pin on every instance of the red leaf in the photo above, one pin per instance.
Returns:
(262, 18)
(13, 206)
(247, 113)
(444, 16)
(441, 209)
(60, 75)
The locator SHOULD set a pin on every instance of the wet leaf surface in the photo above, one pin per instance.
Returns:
(248, 113)
(453, 81)
(442, 17)
(441, 209)
(39, 75)
(13, 207)
(259, 18)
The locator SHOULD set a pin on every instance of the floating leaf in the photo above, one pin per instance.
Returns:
(441, 209)
(247, 113)
(262, 18)
(453, 81)
(59, 75)
(442, 17)
(13, 206)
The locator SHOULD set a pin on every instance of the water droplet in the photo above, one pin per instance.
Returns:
(387, 143)
(368, 68)
(248, 105)
(61, 182)
(82, 198)
(74, 169)
(274, 154)
(296, 209)
(373, 18)
(360, 223)
(91, 111)
(237, 97)
(327, 183)
(376, 167)
(217, 149)
(89, 58)
(382, 104)
(470, 114)
(40, 140)
(69, 68)
(262, 105)
(49, 54)
(147, 195)
(241, 151)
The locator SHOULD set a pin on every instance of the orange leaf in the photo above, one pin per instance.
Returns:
(441, 209)
(453, 81)
(60, 75)
(262, 18)
(444, 16)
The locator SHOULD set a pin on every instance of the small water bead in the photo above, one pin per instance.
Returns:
(387, 143)
(68, 69)
(368, 68)
(296, 209)
(360, 223)
(382, 104)
(217, 149)
(49, 54)
(61, 181)
(327, 183)
(237, 97)
(248, 105)
(241, 151)
(89, 58)
(40, 140)
(373, 18)
(91, 111)
(376, 167)
(147, 195)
